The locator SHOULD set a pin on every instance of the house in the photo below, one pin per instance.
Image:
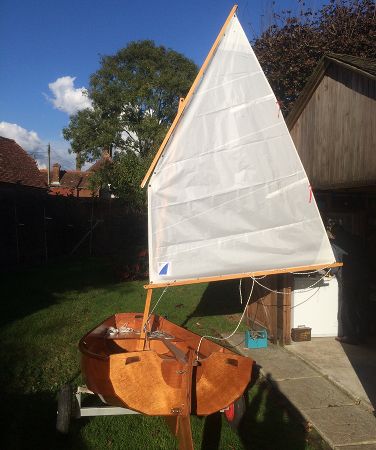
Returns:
(22, 195)
(69, 183)
(18, 168)
(75, 183)
(41, 223)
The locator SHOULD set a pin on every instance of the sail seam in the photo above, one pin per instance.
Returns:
(258, 186)
(231, 238)
(229, 146)
(241, 197)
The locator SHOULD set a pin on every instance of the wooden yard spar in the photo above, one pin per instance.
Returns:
(228, 198)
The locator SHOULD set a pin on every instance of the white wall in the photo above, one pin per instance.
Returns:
(316, 308)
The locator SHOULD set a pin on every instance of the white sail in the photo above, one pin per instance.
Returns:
(229, 194)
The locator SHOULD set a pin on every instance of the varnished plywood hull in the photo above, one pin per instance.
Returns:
(162, 378)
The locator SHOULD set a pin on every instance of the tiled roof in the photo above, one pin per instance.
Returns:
(17, 167)
(105, 159)
(70, 179)
(75, 179)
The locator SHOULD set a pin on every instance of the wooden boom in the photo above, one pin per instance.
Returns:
(241, 275)
(183, 104)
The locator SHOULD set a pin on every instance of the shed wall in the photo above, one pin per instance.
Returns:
(335, 134)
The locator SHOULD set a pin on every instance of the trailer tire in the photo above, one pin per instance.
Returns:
(235, 412)
(64, 409)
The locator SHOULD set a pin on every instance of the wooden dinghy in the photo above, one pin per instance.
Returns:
(160, 374)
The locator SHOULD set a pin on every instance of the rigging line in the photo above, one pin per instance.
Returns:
(299, 290)
(306, 273)
(306, 300)
(254, 317)
(154, 307)
(289, 306)
(237, 326)
(266, 311)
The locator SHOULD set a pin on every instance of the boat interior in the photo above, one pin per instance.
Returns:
(120, 333)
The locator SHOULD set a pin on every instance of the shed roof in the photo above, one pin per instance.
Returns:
(363, 66)
(17, 166)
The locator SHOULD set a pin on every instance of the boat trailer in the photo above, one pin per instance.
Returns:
(70, 405)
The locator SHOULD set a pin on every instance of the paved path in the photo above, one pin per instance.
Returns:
(351, 367)
(342, 423)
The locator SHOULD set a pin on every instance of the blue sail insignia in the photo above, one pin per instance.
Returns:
(164, 269)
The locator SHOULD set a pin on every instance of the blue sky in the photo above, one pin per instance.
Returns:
(58, 43)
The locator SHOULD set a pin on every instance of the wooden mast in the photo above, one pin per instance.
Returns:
(146, 312)
(184, 103)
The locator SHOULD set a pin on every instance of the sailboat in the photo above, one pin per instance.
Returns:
(228, 198)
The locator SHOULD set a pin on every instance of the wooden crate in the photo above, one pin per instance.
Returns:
(301, 334)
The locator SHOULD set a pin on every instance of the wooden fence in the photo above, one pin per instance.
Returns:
(37, 228)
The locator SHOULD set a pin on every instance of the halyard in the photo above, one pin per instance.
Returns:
(44, 313)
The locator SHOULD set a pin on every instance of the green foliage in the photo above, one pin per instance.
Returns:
(290, 48)
(135, 96)
(140, 88)
(123, 175)
(89, 133)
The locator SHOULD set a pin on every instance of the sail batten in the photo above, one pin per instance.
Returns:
(230, 195)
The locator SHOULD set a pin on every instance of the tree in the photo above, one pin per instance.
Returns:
(290, 48)
(135, 96)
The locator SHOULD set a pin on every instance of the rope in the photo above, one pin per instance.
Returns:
(238, 325)
(112, 331)
(307, 273)
(154, 307)
(309, 288)
(306, 300)
(299, 290)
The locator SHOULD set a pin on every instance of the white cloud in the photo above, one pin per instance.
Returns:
(31, 142)
(66, 97)
(28, 140)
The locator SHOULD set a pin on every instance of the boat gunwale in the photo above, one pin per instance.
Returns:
(83, 346)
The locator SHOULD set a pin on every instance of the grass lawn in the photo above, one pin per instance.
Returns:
(45, 311)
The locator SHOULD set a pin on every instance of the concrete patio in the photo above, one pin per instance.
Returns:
(332, 385)
(351, 368)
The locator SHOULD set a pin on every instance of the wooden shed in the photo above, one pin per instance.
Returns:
(333, 125)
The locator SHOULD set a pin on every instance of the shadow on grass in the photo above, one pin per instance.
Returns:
(29, 420)
(29, 290)
(211, 436)
(219, 298)
(268, 421)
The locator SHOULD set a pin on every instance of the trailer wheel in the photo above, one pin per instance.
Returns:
(235, 412)
(64, 409)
